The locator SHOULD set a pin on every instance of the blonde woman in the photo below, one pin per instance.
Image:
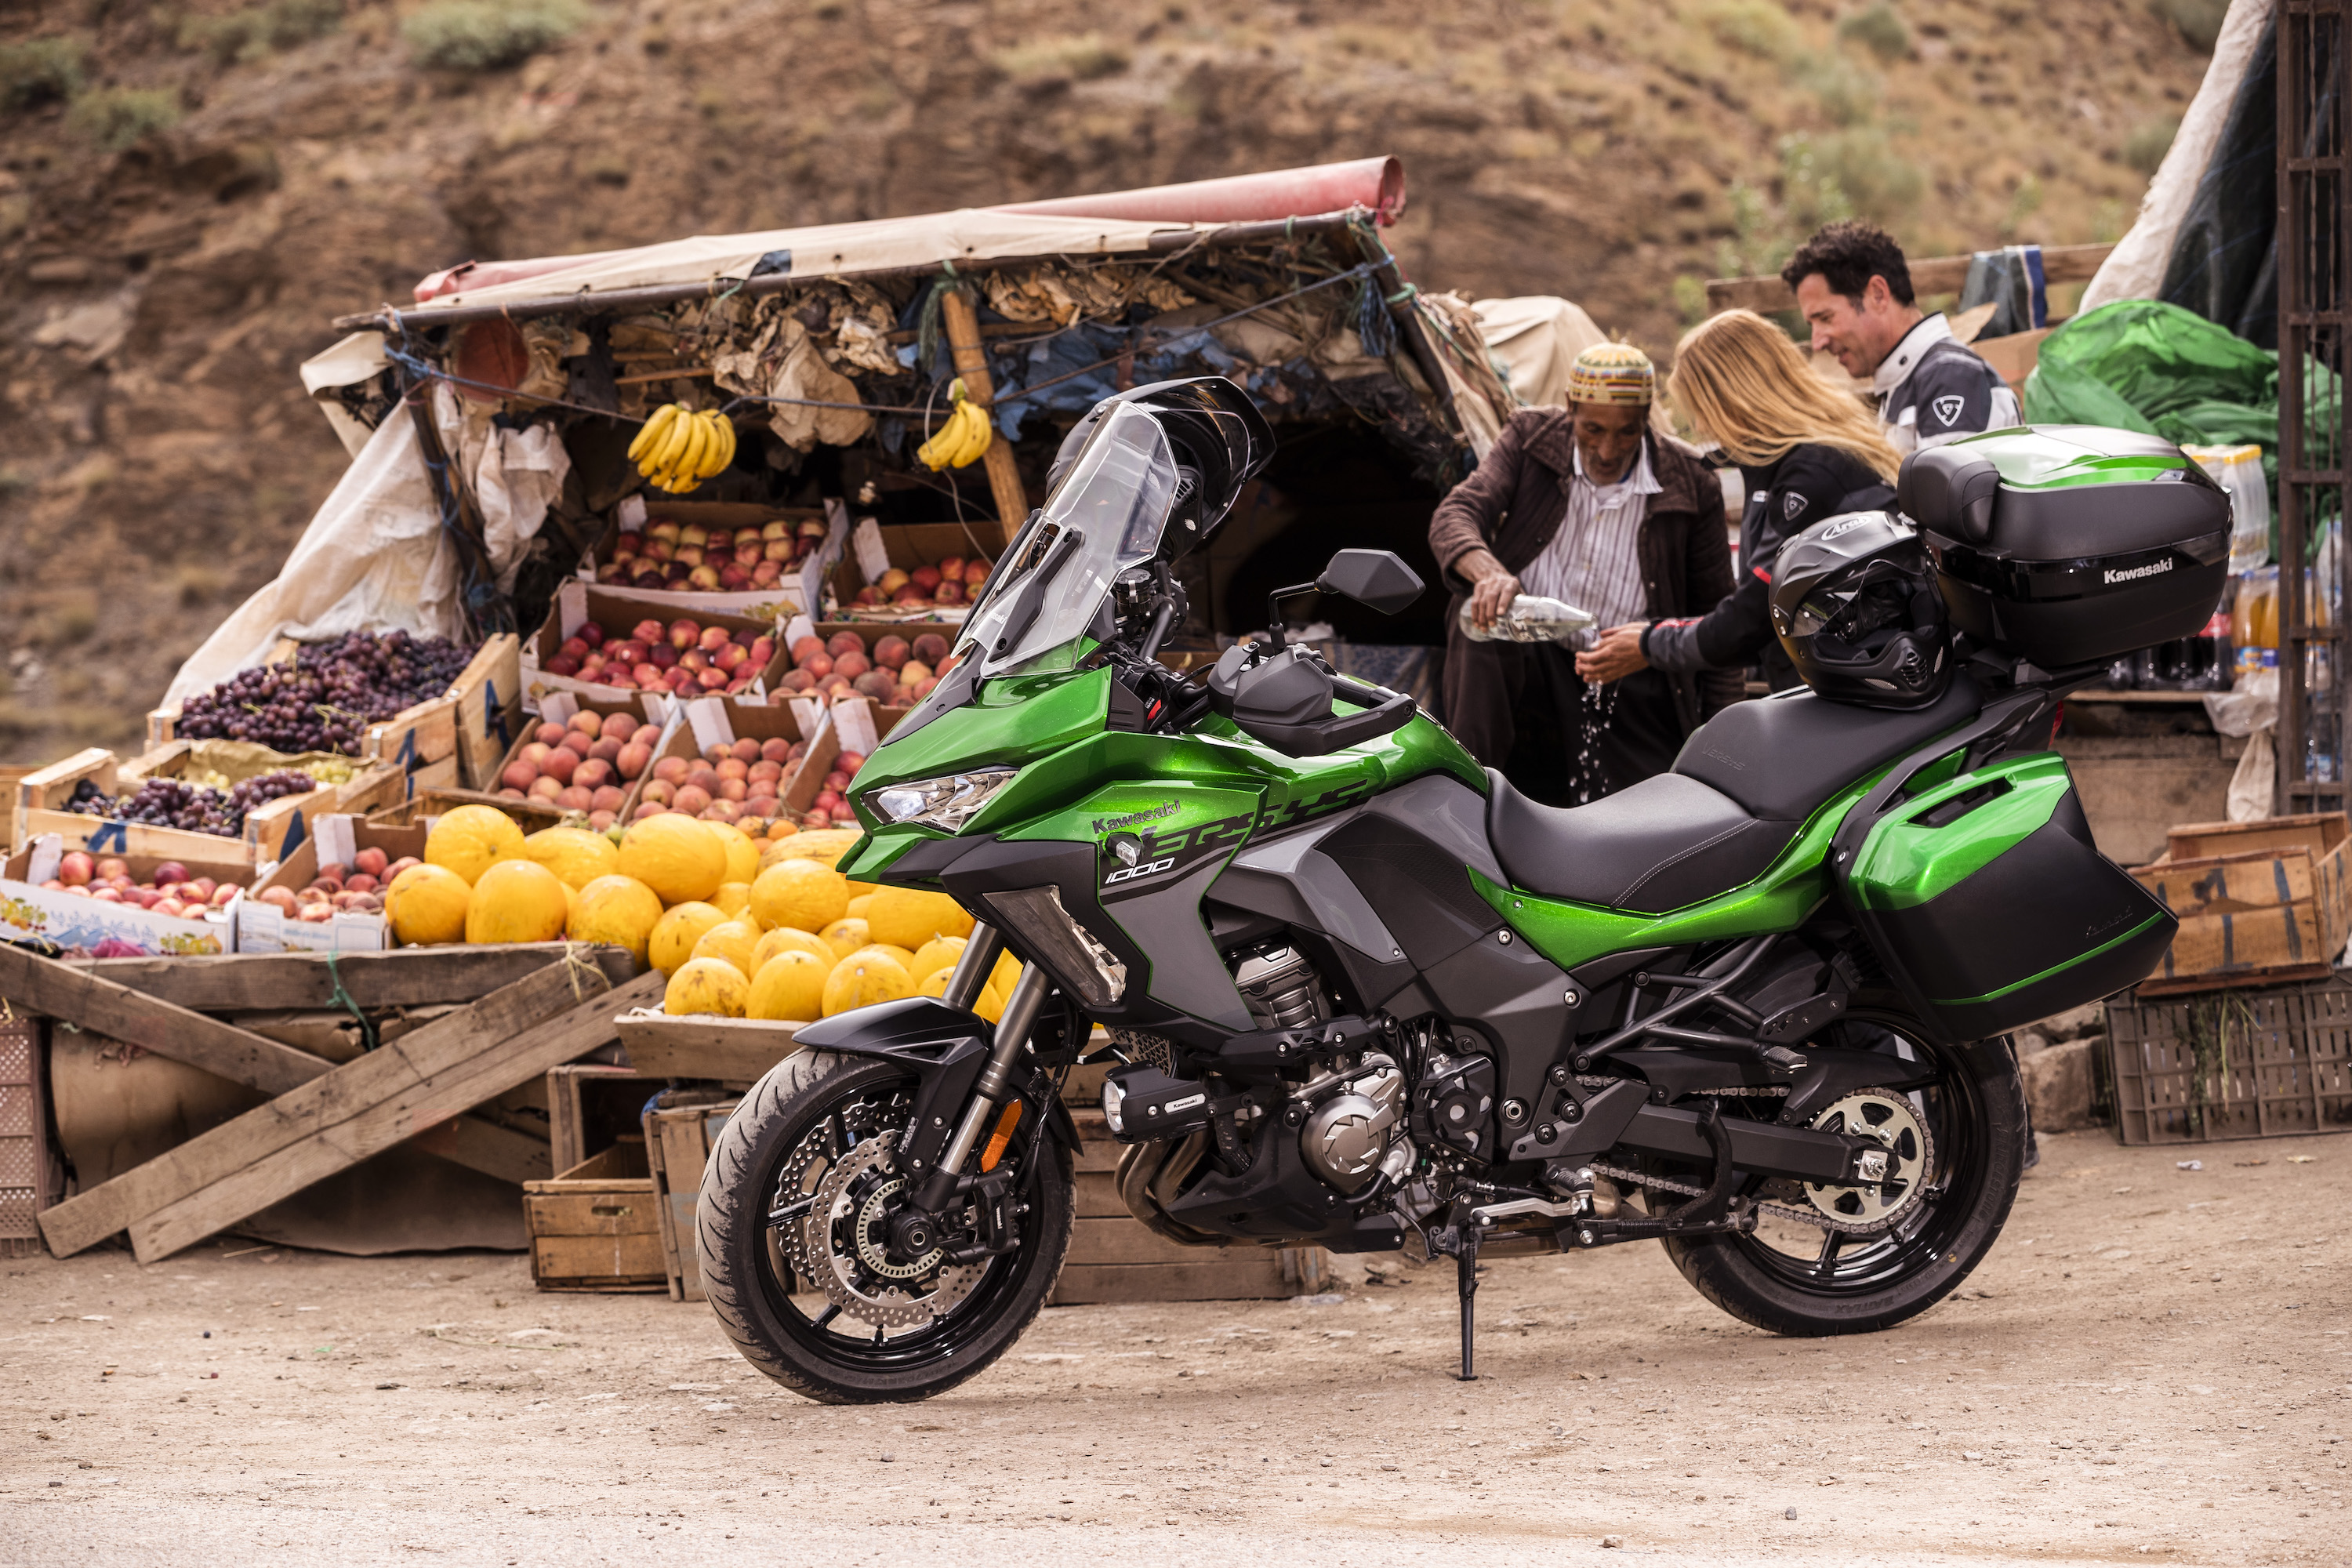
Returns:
(1807, 451)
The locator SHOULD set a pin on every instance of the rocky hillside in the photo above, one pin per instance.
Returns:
(187, 193)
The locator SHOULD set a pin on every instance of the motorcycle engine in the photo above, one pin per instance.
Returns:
(1354, 1131)
(1280, 986)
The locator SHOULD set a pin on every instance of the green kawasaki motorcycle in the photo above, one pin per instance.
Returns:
(1366, 996)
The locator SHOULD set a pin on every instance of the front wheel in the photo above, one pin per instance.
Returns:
(793, 1229)
(1851, 1268)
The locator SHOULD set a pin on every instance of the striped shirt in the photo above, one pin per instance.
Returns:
(1593, 559)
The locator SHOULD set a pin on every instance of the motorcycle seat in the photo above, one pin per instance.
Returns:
(1783, 756)
(1666, 842)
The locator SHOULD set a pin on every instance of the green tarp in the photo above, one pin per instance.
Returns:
(2140, 364)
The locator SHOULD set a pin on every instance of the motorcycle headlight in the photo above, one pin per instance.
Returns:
(945, 803)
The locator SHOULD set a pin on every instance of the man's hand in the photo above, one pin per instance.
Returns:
(1617, 655)
(1492, 587)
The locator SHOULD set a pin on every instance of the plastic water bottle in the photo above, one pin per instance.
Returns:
(2239, 471)
(1530, 618)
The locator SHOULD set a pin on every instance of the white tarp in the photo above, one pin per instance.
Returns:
(2135, 268)
(1538, 337)
(374, 558)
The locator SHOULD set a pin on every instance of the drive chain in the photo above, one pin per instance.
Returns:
(1814, 1217)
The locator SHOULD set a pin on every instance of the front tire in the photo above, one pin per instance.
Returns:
(818, 1116)
(1975, 1111)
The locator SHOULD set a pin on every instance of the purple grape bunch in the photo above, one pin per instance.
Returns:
(333, 692)
(193, 808)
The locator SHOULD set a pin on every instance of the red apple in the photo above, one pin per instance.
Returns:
(592, 634)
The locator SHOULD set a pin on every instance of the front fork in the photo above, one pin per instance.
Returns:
(980, 949)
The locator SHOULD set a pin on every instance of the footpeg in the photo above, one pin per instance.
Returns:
(1783, 1061)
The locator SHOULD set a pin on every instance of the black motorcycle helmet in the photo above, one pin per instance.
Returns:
(1218, 439)
(1855, 602)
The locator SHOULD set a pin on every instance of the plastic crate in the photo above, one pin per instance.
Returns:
(22, 1154)
(2274, 1062)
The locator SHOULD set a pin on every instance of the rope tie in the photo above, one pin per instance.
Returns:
(368, 1040)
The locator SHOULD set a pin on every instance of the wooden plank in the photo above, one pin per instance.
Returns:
(282, 1147)
(1095, 1195)
(485, 1146)
(1930, 275)
(731, 1050)
(677, 1145)
(567, 1132)
(1004, 485)
(1253, 1279)
(619, 1208)
(403, 977)
(631, 1262)
(2283, 975)
(35, 984)
(327, 1103)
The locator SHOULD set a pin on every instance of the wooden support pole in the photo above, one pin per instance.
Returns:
(972, 364)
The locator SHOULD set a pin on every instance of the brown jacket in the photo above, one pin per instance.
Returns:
(1517, 498)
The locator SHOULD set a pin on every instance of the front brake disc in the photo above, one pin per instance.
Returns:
(844, 1240)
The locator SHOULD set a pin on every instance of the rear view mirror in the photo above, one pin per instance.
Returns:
(1375, 579)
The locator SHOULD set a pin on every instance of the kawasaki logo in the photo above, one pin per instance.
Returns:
(2134, 573)
(1106, 824)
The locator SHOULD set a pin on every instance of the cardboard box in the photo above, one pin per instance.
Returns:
(869, 634)
(487, 702)
(41, 796)
(372, 784)
(2254, 899)
(428, 805)
(29, 911)
(265, 928)
(801, 589)
(657, 715)
(854, 724)
(576, 604)
(875, 548)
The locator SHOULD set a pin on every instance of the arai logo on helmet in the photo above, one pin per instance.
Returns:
(2132, 575)
(1838, 529)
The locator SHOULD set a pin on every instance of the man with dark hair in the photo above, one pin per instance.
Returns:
(1853, 286)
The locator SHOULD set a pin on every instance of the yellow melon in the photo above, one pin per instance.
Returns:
(620, 911)
(790, 986)
(935, 984)
(909, 917)
(802, 894)
(785, 939)
(672, 940)
(735, 898)
(845, 936)
(860, 904)
(426, 906)
(707, 985)
(576, 855)
(733, 941)
(742, 854)
(471, 839)
(862, 979)
(678, 857)
(940, 952)
(517, 901)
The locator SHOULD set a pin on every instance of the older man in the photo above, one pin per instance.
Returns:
(1590, 505)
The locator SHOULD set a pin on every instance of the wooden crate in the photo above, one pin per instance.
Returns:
(488, 695)
(580, 1119)
(372, 786)
(719, 1050)
(40, 796)
(678, 1146)
(2258, 902)
(23, 1138)
(594, 1227)
(1114, 1257)
(2274, 1062)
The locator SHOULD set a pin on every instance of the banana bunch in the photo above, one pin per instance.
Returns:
(678, 448)
(961, 441)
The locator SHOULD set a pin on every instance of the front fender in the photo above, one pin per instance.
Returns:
(945, 1047)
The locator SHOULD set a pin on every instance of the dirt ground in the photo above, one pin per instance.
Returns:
(2152, 1363)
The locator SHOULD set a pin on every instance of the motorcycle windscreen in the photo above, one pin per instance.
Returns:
(1993, 907)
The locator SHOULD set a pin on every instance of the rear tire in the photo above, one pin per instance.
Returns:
(785, 1325)
(1875, 1282)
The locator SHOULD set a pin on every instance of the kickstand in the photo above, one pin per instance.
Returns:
(1466, 1264)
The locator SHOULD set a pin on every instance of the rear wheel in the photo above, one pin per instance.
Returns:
(793, 1227)
(1857, 1262)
